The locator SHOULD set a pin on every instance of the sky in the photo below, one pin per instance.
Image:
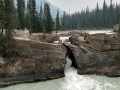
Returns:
(71, 6)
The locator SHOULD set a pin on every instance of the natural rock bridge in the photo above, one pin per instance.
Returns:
(37, 61)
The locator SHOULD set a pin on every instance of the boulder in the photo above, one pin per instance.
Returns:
(33, 61)
(77, 39)
(49, 38)
(95, 55)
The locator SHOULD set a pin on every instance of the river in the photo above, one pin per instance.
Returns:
(72, 81)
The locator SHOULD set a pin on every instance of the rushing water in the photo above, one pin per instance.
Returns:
(72, 81)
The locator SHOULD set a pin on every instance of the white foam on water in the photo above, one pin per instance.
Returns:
(101, 31)
(64, 38)
(73, 81)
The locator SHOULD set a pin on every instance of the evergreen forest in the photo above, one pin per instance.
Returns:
(22, 15)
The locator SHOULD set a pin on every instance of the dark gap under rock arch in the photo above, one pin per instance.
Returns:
(71, 56)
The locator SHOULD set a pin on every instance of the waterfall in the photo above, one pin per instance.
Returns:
(68, 64)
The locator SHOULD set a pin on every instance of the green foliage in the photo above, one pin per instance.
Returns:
(33, 72)
(9, 13)
(48, 22)
(57, 21)
(119, 28)
(2, 37)
(117, 57)
(3, 75)
(31, 8)
(64, 21)
(44, 34)
(2, 14)
(21, 12)
(97, 18)
(3, 48)
(28, 22)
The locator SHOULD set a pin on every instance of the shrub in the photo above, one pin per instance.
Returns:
(117, 57)
(2, 44)
(44, 34)
(3, 75)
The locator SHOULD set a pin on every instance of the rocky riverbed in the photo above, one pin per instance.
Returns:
(34, 60)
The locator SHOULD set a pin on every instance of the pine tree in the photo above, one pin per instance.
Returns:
(41, 18)
(9, 24)
(87, 17)
(48, 22)
(9, 10)
(2, 15)
(21, 12)
(97, 16)
(111, 15)
(57, 20)
(31, 8)
(15, 18)
(119, 28)
(63, 21)
(44, 34)
(28, 22)
(104, 14)
(117, 14)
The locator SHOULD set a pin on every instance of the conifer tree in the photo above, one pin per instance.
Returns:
(117, 14)
(31, 8)
(2, 14)
(28, 22)
(57, 20)
(111, 15)
(97, 16)
(41, 18)
(63, 21)
(21, 12)
(9, 10)
(104, 14)
(48, 22)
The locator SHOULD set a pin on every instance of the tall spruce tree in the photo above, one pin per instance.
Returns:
(28, 22)
(41, 18)
(31, 8)
(9, 10)
(63, 21)
(104, 14)
(57, 20)
(111, 14)
(48, 22)
(117, 14)
(21, 12)
(97, 16)
(2, 15)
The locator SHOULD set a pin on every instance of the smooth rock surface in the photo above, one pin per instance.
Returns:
(33, 61)
(99, 54)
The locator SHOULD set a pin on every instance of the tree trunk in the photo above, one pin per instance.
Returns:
(2, 30)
